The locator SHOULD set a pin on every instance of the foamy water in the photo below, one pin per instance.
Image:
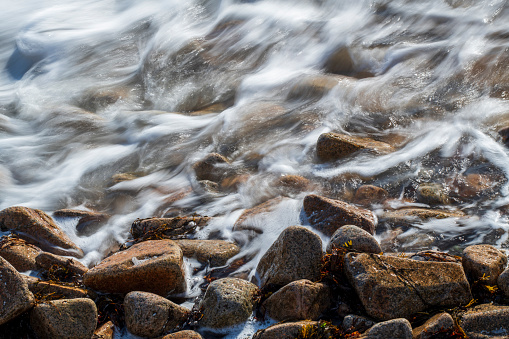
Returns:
(90, 89)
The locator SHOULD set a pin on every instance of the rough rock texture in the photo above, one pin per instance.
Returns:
(394, 329)
(213, 167)
(171, 227)
(299, 300)
(183, 335)
(432, 255)
(150, 315)
(327, 215)
(106, 331)
(38, 228)
(213, 252)
(441, 321)
(486, 321)
(407, 216)
(46, 288)
(392, 287)
(354, 239)
(503, 281)
(46, 260)
(19, 253)
(153, 266)
(483, 260)
(432, 194)
(369, 194)
(227, 302)
(67, 318)
(283, 331)
(353, 322)
(15, 298)
(293, 184)
(333, 146)
(296, 254)
(470, 186)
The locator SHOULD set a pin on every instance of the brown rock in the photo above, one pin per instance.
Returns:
(394, 329)
(333, 146)
(15, 298)
(170, 227)
(150, 315)
(19, 253)
(407, 216)
(245, 221)
(153, 266)
(299, 300)
(316, 86)
(327, 215)
(213, 167)
(429, 330)
(354, 239)
(432, 194)
(66, 318)
(483, 261)
(183, 335)
(38, 228)
(227, 302)
(503, 281)
(340, 61)
(470, 186)
(47, 260)
(284, 331)
(392, 287)
(486, 321)
(293, 184)
(296, 254)
(106, 331)
(432, 255)
(213, 252)
(369, 194)
(44, 289)
(353, 322)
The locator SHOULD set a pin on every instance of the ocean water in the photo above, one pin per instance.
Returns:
(90, 89)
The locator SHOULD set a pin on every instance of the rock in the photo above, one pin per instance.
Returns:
(245, 221)
(369, 194)
(55, 291)
(439, 322)
(339, 62)
(470, 186)
(183, 335)
(152, 266)
(483, 261)
(333, 146)
(38, 228)
(432, 255)
(170, 227)
(394, 329)
(213, 252)
(296, 254)
(88, 223)
(19, 253)
(353, 322)
(106, 331)
(393, 287)
(354, 239)
(284, 331)
(15, 297)
(432, 194)
(66, 318)
(213, 167)
(47, 260)
(503, 281)
(408, 216)
(327, 215)
(314, 87)
(293, 184)
(299, 300)
(486, 321)
(150, 315)
(227, 302)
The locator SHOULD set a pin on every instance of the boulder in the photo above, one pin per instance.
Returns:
(353, 322)
(394, 329)
(486, 321)
(503, 281)
(227, 302)
(106, 331)
(19, 253)
(354, 239)
(368, 194)
(393, 287)
(284, 331)
(212, 252)
(408, 216)
(441, 322)
(183, 335)
(432, 194)
(334, 146)
(432, 255)
(339, 61)
(245, 221)
(293, 184)
(47, 260)
(213, 167)
(46, 289)
(483, 261)
(299, 300)
(15, 297)
(169, 227)
(327, 215)
(38, 228)
(152, 266)
(89, 222)
(296, 254)
(66, 318)
(150, 315)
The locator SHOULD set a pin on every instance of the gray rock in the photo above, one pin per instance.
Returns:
(486, 321)
(283, 331)
(213, 252)
(483, 261)
(439, 322)
(503, 281)
(394, 329)
(353, 322)
(432, 194)
(354, 239)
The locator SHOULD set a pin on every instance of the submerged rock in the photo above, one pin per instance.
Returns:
(407, 216)
(394, 329)
(284, 331)
(15, 298)
(339, 61)
(89, 222)
(439, 322)
(19, 253)
(432, 194)
(315, 87)
(247, 218)
(169, 227)
(486, 321)
(354, 239)
(213, 167)
(483, 261)
(213, 252)
(334, 146)
(369, 194)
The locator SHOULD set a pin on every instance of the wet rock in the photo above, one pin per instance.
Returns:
(316, 86)
(327, 215)
(354, 239)
(470, 186)
(392, 287)
(432, 255)
(213, 167)
(503, 281)
(67, 318)
(353, 322)
(368, 194)
(339, 62)
(227, 302)
(247, 218)
(183, 335)
(15, 298)
(38, 228)
(394, 329)
(486, 321)
(213, 252)
(284, 331)
(334, 146)
(150, 315)
(106, 331)
(429, 330)
(19, 253)
(170, 227)
(89, 222)
(299, 300)
(296, 254)
(152, 266)
(432, 194)
(47, 260)
(49, 289)
(293, 184)
(407, 216)
(483, 261)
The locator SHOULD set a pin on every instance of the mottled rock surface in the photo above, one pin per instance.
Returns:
(354, 239)
(170, 227)
(213, 252)
(46, 288)
(432, 194)
(486, 321)
(334, 146)
(19, 253)
(353, 322)
(283, 331)
(15, 298)
(439, 322)
(407, 216)
(484, 261)
(369, 194)
(296, 254)
(183, 335)
(394, 329)
(248, 218)
(46, 260)
(106, 331)
(213, 167)
(327, 215)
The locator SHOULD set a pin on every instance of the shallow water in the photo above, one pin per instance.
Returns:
(91, 89)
